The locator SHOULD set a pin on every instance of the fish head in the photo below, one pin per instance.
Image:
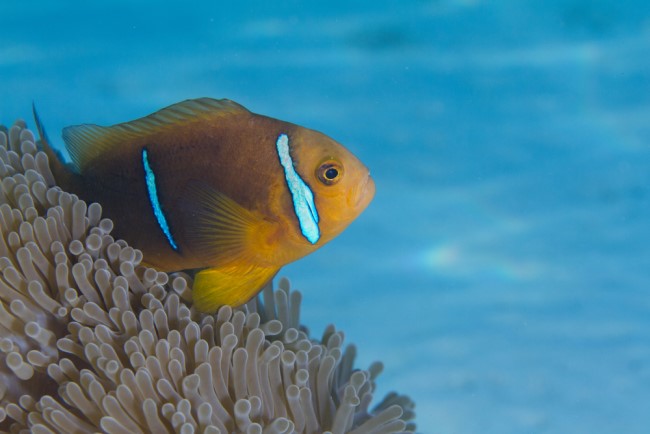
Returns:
(341, 184)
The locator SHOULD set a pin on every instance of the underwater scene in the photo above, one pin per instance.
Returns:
(500, 273)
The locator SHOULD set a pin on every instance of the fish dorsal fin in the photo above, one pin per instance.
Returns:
(87, 143)
(222, 231)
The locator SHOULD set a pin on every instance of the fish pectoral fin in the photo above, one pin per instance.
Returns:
(88, 143)
(232, 285)
(236, 241)
(223, 232)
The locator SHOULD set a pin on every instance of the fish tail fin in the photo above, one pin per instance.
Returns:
(231, 285)
(62, 173)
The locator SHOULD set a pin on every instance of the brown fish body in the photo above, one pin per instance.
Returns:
(220, 186)
(197, 153)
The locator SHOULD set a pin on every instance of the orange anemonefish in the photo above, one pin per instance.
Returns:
(206, 184)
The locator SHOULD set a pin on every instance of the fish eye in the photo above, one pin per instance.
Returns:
(329, 173)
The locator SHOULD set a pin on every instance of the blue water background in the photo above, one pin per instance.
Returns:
(502, 272)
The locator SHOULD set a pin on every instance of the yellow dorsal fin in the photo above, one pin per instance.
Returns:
(87, 143)
(232, 285)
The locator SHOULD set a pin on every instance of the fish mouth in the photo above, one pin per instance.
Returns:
(364, 193)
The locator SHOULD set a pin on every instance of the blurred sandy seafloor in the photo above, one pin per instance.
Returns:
(501, 274)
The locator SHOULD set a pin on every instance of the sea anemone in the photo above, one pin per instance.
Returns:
(93, 341)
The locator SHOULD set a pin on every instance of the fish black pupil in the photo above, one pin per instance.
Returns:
(331, 173)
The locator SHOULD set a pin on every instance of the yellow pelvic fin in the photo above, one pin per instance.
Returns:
(225, 233)
(232, 285)
(88, 143)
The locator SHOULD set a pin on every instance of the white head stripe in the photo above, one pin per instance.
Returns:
(303, 198)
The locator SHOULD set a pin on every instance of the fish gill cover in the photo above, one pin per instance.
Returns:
(90, 340)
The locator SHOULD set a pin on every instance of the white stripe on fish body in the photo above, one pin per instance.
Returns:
(301, 194)
(152, 189)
